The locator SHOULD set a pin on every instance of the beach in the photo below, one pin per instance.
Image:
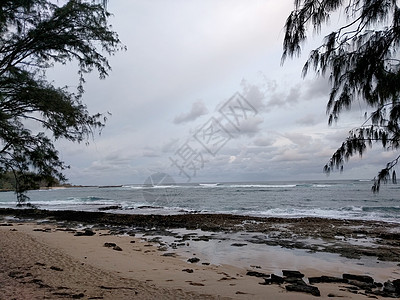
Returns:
(83, 255)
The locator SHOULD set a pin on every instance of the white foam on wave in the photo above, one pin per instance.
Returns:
(261, 186)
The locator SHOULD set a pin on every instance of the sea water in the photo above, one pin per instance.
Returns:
(328, 199)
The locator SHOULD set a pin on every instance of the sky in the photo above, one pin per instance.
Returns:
(201, 95)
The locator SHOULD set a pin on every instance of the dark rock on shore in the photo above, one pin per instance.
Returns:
(396, 284)
(114, 246)
(361, 278)
(362, 285)
(188, 270)
(390, 290)
(257, 274)
(295, 280)
(87, 232)
(289, 273)
(193, 260)
(238, 244)
(277, 279)
(117, 248)
(169, 254)
(326, 279)
(304, 289)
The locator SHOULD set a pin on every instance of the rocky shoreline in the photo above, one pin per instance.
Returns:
(349, 238)
(352, 239)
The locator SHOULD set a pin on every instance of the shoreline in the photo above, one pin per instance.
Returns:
(224, 248)
(348, 238)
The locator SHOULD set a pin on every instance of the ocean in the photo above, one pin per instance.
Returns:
(327, 199)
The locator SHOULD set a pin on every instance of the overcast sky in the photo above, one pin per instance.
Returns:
(172, 111)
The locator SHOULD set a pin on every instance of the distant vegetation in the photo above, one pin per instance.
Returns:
(9, 183)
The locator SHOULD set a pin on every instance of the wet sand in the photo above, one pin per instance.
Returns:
(128, 259)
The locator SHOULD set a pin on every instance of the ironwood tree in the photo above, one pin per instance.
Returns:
(36, 35)
(362, 62)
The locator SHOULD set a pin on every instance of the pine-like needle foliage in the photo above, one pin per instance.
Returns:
(35, 35)
(362, 62)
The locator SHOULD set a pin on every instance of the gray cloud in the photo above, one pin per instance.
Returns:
(316, 88)
(264, 141)
(254, 94)
(308, 120)
(170, 146)
(251, 126)
(198, 109)
(208, 47)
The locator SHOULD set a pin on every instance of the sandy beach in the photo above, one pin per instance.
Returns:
(51, 258)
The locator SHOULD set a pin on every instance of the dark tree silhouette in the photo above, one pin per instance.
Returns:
(362, 61)
(34, 36)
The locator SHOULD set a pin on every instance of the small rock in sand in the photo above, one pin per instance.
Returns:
(193, 260)
(238, 244)
(87, 232)
(117, 248)
(188, 270)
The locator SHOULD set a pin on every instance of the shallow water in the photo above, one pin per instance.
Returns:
(218, 250)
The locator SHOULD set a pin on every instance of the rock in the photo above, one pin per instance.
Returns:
(289, 273)
(87, 232)
(162, 248)
(196, 283)
(326, 279)
(362, 278)
(110, 245)
(169, 254)
(56, 268)
(117, 248)
(362, 285)
(193, 260)
(42, 229)
(188, 270)
(257, 274)
(295, 280)
(277, 279)
(309, 289)
(267, 281)
(238, 244)
(396, 284)
(388, 287)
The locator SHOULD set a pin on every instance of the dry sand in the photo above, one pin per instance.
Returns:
(40, 261)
